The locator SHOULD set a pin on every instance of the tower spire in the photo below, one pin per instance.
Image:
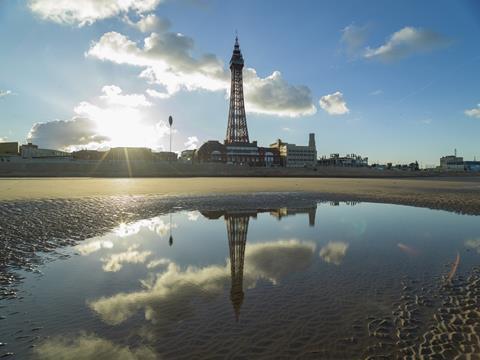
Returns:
(237, 131)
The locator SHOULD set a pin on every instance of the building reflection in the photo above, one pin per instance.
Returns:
(237, 229)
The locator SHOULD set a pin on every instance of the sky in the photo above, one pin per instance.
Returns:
(396, 81)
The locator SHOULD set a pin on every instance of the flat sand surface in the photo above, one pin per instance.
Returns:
(455, 194)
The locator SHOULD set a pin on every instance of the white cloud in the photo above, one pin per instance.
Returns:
(113, 96)
(86, 12)
(115, 262)
(191, 143)
(89, 346)
(406, 42)
(353, 38)
(334, 104)
(274, 96)
(150, 23)
(334, 252)
(4, 93)
(65, 134)
(475, 112)
(157, 94)
(376, 92)
(166, 60)
(103, 125)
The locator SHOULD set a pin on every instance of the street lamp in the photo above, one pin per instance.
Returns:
(170, 122)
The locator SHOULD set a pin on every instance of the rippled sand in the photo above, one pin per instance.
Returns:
(454, 193)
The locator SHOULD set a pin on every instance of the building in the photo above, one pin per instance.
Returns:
(452, 162)
(243, 153)
(129, 154)
(89, 155)
(350, 160)
(31, 151)
(211, 151)
(165, 156)
(187, 155)
(292, 155)
(269, 157)
(8, 148)
(473, 166)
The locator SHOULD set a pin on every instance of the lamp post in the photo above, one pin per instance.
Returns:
(170, 122)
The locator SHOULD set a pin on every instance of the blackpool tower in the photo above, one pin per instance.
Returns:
(237, 131)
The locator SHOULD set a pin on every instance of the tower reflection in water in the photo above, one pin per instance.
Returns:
(237, 229)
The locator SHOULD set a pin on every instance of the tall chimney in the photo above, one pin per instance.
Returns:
(311, 141)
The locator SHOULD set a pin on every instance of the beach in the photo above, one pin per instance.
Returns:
(459, 194)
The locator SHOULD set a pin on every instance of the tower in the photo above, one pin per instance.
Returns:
(237, 227)
(237, 131)
(311, 141)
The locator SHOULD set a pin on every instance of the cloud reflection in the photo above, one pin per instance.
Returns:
(89, 346)
(89, 247)
(275, 260)
(156, 225)
(114, 262)
(334, 252)
(193, 215)
(473, 244)
(158, 263)
(167, 296)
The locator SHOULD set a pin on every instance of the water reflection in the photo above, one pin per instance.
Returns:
(244, 283)
(473, 244)
(237, 229)
(334, 252)
(167, 295)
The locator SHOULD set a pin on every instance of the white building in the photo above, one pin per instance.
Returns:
(452, 162)
(30, 151)
(292, 155)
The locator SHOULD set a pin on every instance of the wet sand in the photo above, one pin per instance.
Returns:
(453, 194)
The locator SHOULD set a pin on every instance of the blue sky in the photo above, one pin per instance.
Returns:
(392, 80)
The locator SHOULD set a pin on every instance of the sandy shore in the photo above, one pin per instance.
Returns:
(453, 194)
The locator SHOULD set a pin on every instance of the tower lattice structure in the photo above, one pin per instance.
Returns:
(237, 131)
(237, 228)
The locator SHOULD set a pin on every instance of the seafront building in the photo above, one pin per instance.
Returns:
(452, 162)
(292, 155)
(456, 163)
(31, 151)
(9, 148)
(350, 160)
(187, 156)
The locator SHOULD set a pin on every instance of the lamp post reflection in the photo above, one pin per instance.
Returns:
(170, 239)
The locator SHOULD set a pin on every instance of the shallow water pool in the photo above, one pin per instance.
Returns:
(311, 280)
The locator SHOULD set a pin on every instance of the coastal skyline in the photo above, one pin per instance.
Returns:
(390, 83)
